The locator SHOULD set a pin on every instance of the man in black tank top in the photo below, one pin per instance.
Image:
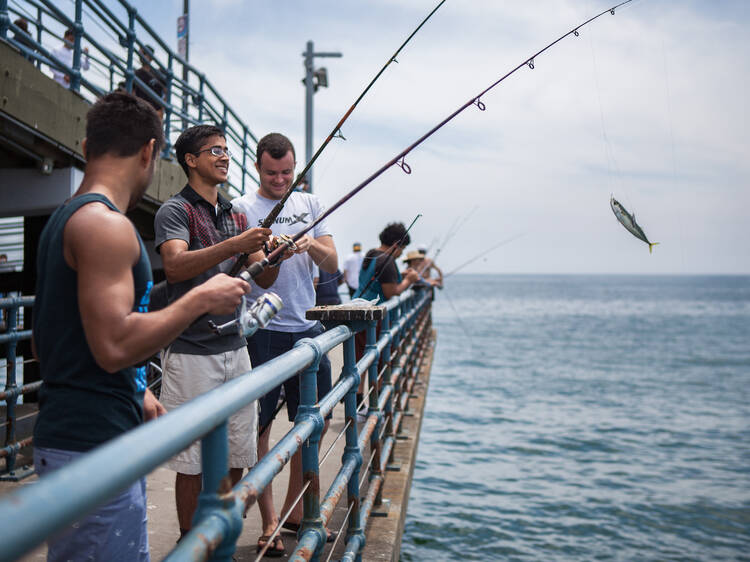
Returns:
(91, 323)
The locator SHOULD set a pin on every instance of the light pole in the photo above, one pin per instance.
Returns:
(314, 79)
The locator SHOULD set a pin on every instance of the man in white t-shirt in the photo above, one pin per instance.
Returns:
(275, 165)
(352, 265)
(64, 54)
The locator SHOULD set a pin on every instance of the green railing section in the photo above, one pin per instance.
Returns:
(116, 41)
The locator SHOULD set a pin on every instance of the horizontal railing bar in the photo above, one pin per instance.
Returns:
(25, 389)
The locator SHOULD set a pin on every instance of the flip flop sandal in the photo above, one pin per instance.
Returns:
(273, 551)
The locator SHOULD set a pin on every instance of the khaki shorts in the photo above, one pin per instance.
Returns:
(185, 377)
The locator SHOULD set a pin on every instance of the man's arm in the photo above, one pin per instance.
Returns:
(322, 250)
(181, 264)
(101, 246)
(392, 289)
(269, 275)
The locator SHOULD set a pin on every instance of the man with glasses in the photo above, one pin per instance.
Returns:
(198, 235)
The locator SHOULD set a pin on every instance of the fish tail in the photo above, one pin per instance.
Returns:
(651, 246)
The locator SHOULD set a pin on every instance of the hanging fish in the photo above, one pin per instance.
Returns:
(628, 221)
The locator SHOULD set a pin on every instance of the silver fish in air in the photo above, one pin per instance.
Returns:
(628, 221)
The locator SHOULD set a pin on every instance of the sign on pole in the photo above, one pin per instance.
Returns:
(182, 33)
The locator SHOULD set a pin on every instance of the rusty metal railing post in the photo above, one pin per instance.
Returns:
(4, 19)
(12, 391)
(75, 75)
(213, 501)
(129, 71)
(10, 386)
(385, 328)
(168, 108)
(351, 450)
(308, 408)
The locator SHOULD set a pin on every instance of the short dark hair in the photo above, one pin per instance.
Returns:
(69, 31)
(190, 141)
(395, 233)
(120, 124)
(276, 144)
(22, 23)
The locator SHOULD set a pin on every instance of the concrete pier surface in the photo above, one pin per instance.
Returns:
(386, 524)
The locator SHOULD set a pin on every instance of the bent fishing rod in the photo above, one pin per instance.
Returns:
(399, 160)
(335, 132)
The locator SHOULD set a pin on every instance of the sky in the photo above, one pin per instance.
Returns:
(649, 105)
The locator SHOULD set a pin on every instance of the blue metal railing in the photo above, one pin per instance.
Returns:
(29, 515)
(12, 391)
(115, 40)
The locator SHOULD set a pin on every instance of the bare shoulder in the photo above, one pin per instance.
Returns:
(96, 232)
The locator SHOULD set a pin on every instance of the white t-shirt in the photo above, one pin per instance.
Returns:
(295, 281)
(65, 56)
(352, 265)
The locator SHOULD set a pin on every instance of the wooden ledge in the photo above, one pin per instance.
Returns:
(345, 313)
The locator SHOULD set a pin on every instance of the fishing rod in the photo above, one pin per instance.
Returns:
(335, 132)
(388, 254)
(258, 267)
(484, 253)
(451, 233)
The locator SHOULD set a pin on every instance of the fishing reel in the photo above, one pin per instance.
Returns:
(275, 242)
(251, 315)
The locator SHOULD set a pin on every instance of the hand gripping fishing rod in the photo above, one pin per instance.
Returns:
(336, 132)
(257, 267)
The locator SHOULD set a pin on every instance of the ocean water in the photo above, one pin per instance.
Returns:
(586, 418)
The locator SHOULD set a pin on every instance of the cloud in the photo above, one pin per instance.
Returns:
(648, 104)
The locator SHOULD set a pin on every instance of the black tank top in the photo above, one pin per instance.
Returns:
(80, 404)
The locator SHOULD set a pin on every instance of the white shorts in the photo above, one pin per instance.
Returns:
(185, 377)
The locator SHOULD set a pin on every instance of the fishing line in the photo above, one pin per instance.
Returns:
(484, 254)
(613, 170)
(680, 210)
(400, 159)
(335, 133)
(460, 321)
(448, 237)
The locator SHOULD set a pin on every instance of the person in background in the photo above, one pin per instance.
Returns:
(352, 266)
(198, 236)
(304, 186)
(152, 78)
(417, 261)
(425, 268)
(64, 54)
(24, 37)
(380, 279)
(275, 165)
(91, 325)
(327, 288)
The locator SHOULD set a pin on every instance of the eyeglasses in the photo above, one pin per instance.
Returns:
(216, 151)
